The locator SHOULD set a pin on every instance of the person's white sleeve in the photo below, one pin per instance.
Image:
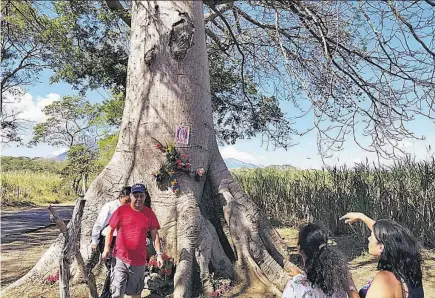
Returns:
(293, 288)
(289, 291)
(99, 224)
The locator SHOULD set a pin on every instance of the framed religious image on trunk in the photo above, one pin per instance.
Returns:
(182, 134)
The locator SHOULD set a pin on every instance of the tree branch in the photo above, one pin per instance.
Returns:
(117, 8)
(213, 3)
(410, 27)
(213, 15)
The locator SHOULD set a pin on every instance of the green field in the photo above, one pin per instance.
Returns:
(27, 188)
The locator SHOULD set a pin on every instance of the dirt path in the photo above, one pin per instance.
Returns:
(17, 223)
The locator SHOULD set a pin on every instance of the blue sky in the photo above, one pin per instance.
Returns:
(303, 155)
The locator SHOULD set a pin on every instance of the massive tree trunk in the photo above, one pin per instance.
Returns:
(211, 225)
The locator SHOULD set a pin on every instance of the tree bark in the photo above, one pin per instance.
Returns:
(212, 225)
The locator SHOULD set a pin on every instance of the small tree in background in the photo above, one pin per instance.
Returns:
(76, 124)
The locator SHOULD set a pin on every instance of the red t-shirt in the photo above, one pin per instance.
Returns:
(133, 226)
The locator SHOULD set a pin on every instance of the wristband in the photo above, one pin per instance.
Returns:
(158, 254)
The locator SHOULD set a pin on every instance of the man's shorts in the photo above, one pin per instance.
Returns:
(126, 279)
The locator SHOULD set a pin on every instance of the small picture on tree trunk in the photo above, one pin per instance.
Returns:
(182, 135)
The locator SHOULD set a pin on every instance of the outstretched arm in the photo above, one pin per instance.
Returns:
(99, 225)
(352, 217)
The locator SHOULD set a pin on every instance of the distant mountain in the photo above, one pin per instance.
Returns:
(282, 167)
(233, 163)
(60, 157)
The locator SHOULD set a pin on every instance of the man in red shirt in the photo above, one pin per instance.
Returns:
(132, 223)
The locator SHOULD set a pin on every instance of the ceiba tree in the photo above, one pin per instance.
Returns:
(348, 79)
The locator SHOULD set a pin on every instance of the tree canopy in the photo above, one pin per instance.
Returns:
(360, 69)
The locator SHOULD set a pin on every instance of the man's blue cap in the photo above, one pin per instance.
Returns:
(138, 187)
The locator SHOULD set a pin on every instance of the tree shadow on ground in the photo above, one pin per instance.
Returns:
(29, 240)
(20, 252)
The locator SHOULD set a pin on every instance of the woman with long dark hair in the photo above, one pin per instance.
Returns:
(399, 265)
(325, 271)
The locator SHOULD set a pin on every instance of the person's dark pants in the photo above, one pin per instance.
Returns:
(106, 288)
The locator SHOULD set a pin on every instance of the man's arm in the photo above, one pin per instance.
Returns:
(109, 238)
(156, 239)
(99, 225)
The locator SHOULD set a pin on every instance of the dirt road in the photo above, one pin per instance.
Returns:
(17, 223)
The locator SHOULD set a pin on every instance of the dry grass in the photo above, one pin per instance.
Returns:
(30, 189)
(403, 192)
(20, 254)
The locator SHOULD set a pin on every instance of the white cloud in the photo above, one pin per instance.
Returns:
(29, 108)
(233, 152)
(405, 145)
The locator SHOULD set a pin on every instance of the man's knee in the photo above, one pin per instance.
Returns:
(118, 279)
(135, 282)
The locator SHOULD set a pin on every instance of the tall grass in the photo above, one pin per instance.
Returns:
(404, 192)
(29, 188)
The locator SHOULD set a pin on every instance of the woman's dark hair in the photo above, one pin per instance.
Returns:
(401, 254)
(125, 191)
(325, 267)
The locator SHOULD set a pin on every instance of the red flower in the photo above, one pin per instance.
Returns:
(184, 156)
(153, 263)
(52, 278)
(165, 257)
(187, 165)
(178, 161)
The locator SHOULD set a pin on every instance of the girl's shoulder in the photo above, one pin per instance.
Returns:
(385, 277)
